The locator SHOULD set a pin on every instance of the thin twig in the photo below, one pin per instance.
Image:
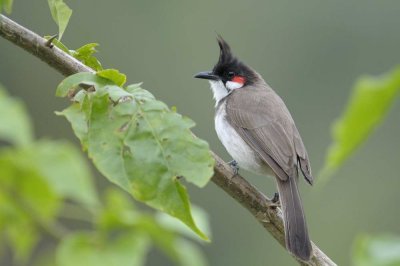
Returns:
(261, 207)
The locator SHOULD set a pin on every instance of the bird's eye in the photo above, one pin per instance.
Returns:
(231, 74)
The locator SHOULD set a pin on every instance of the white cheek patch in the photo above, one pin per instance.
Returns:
(231, 85)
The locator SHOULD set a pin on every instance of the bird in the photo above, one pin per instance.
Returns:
(259, 133)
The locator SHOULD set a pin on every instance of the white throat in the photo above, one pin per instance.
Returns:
(220, 91)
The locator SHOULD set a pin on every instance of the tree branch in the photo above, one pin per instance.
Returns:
(237, 187)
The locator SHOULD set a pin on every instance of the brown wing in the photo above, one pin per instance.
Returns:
(261, 118)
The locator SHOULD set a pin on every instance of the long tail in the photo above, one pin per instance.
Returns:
(296, 233)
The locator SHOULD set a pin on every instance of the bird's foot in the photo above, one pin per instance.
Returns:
(235, 167)
(275, 201)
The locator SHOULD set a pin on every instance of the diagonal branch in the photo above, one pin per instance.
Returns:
(237, 187)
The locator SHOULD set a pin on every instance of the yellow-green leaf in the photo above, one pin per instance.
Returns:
(6, 5)
(383, 250)
(85, 249)
(61, 14)
(367, 107)
(85, 55)
(114, 75)
(15, 126)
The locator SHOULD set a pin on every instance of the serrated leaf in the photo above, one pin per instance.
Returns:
(371, 99)
(381, 250)
(85, 55)
(61, 14)
(139, 153)
(114, 75)
(69, 85)
(139, 144)
(15, 126)
(85, 249)
(6, 5)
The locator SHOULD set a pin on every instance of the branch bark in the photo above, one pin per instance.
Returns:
(237, 187)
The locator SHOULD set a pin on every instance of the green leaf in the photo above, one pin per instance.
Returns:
(114, 75)
(69, 85)
(368, 106)
(176, 248)
(61, 14)
(6, 5)
(22, 244)
(13, 219)
(21, 178)
(85, 55)
(15, 126)
(26, 202)
(85, 249)
(66, 171)
(190, 254)
(139, 144)
(78, 119)
(200, 216)
(120, 214)
(381, 250)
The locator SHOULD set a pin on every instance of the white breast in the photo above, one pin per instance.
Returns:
(237, 147)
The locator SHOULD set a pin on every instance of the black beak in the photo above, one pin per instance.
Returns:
(206, 75)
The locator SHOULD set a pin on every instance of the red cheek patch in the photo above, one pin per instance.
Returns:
(238, 79)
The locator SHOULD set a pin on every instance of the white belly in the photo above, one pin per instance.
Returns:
(237, 147)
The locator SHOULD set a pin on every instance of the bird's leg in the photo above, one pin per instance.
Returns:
(275, 201)
(235, 167)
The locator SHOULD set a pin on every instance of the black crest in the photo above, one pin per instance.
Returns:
(227, 63)
(225, 55)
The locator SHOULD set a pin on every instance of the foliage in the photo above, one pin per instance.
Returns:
(85, 54)
(370, 102)
(15, 127)
(382, 250)
(42, 181)
(137, 142)
(61, 14)
(134, 140)
(6, 5)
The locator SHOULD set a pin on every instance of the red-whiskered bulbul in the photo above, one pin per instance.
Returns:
(257, 130)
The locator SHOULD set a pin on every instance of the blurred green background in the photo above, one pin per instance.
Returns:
(309, 52)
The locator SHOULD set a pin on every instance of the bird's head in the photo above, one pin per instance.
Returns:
(228, 74)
